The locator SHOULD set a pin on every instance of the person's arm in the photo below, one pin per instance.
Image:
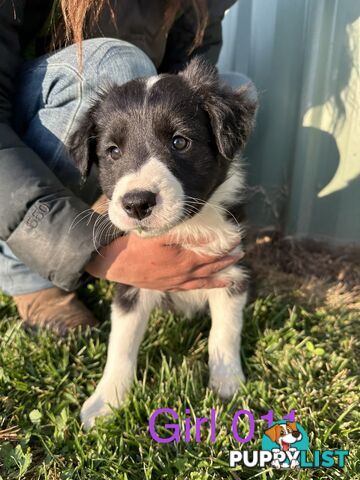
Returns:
(182, 34)
(37, 211)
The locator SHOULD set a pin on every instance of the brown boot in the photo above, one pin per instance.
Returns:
(54, 309)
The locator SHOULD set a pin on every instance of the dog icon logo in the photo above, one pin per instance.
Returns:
(285, 440)
(284, 434)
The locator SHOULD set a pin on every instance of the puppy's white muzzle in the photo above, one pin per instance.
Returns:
(150, 199)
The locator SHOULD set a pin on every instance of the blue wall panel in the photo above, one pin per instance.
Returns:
(303, 160)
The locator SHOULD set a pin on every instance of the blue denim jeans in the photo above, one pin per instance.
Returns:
(51, 95)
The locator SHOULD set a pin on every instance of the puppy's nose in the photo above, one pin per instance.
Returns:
(296, 434)
(138, 203)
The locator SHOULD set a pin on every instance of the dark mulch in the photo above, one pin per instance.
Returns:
(315, 271)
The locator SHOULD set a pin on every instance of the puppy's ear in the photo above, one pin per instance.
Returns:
(231, 112)
(272, 433)
(82, 143)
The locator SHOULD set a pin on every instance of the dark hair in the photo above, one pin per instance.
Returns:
(75, 12)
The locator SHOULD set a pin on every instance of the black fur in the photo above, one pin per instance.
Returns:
(126, 297)
(82, 145)
(231, 112)
(236, 212)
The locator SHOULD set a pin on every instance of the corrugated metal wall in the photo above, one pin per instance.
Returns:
(303, 160)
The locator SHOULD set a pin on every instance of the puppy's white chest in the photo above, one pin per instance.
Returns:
(213, 234)
(189, 303)
(209, 232)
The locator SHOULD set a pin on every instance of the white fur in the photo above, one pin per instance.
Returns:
(230, 191)
(224, 341)
(150, 82)
(157, 178)
(127, 329)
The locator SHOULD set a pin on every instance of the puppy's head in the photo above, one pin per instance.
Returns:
(284, 434)
(163, 145)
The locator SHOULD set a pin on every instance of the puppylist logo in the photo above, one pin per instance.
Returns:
(285, 445)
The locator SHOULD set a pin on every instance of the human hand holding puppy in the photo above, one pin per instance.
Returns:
(159, 264)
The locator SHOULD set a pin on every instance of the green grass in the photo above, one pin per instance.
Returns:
(295, 357)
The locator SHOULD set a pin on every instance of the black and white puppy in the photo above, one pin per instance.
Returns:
(168, 152)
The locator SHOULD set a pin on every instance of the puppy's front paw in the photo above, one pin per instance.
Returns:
(93, 407)
(226, 380)
(100, 403)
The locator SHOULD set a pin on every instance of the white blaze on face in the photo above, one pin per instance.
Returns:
(289, 437)
(155, 177)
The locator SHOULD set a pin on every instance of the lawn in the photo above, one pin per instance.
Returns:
(296, 355)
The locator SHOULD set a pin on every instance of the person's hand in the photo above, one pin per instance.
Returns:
(156, 263)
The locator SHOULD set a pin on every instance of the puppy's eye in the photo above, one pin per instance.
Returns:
(114, 152)
(179, 143)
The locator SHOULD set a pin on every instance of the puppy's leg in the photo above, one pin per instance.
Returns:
(130, 313)
(226, 307)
